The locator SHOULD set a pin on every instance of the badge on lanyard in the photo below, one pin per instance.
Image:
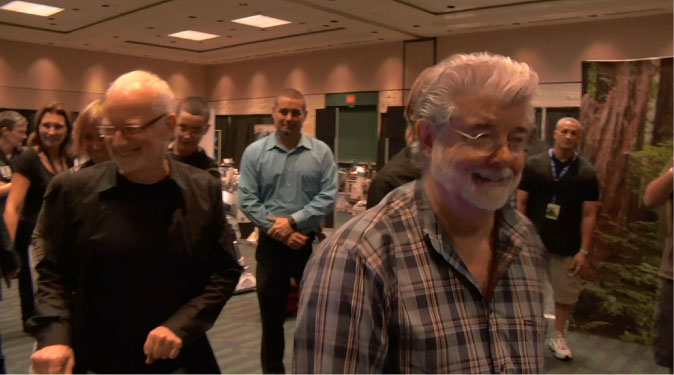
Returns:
(552, 209)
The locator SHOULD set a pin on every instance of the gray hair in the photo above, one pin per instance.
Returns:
(569, 119)
(163, 95)
(12, 118)
(508, 81)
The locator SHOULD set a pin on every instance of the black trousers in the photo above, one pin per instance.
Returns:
(24, 232)
(276, 264)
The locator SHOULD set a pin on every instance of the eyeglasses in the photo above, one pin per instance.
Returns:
(489, 142)
(107, 130)
(192, 130)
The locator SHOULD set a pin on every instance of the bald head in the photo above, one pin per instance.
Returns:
(140, 82)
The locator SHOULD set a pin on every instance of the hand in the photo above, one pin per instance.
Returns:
(579, 263)
(281, 228)
(296, 240)
(161, 343)
(8, 277)
(53, 359)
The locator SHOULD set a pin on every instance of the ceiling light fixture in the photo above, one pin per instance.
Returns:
(31, 8)
(261, 21)
(193, 35)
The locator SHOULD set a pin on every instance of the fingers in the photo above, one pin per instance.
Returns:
(161, 343)
(53, 359)
(272, 218)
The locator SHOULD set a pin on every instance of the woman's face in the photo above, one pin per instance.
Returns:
(52, 130)
(93, 145)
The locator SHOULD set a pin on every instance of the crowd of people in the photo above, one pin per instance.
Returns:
(116, 230)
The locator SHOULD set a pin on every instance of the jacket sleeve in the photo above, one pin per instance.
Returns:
(52, 321)
(199, 314)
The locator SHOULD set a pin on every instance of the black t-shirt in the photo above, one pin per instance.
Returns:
(199, 160)
(578, 185)
(398, 171)
(132, 251)
(6, 171)
(29, 165)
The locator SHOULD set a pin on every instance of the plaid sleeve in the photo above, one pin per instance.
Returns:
(341, 325)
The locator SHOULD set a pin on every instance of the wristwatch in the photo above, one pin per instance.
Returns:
(584, 252)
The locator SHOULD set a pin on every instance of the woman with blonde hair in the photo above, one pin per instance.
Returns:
(87, 143)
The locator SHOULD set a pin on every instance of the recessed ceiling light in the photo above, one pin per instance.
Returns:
(450, 7)
(415, 25)
(261, 21)
(31, 8)
(193, 35)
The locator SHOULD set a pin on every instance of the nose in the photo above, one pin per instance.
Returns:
(288, 117)
(118, 138)
(502, 154)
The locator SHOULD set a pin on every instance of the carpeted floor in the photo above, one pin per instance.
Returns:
(236, 339)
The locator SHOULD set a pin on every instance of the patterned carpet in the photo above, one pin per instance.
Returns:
(236, 339)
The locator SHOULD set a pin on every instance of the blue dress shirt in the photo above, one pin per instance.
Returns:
(301, 182)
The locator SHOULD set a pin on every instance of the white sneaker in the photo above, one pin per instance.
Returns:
(560, 347)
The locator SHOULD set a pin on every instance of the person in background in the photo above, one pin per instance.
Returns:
(288, 185)
(559, 192)
(138, 259)
(191, 125)
(87, 143)
(659, 192)
(441, 276)
(401, 169)
(12, 135)
(46, 156)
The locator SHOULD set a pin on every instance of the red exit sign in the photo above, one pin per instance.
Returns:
(351, 99)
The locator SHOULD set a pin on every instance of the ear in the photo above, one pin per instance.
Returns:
(426, 135)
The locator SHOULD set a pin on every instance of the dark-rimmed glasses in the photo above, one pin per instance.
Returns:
(107, 130)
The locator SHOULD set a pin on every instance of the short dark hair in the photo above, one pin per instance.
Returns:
(293, 94)
(196, 106)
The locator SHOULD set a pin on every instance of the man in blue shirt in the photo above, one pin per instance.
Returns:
(288, 185)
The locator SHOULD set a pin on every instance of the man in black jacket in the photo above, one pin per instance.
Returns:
(137, 257)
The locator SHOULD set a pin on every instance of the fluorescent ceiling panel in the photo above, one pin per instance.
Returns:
(261, 21)
(31, 8)
(194, 35)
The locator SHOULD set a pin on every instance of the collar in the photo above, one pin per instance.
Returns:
(508, 224)
(272, 142)
(109, 178)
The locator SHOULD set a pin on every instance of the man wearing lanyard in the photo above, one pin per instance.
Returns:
(559, 192)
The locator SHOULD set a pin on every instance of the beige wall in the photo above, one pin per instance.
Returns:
(31, 75)
(556, 52)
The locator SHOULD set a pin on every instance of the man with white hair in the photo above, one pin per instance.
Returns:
(442, 276)
(559, 193)
(138, 258)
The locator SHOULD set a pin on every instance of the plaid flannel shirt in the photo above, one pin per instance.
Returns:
(389, 293)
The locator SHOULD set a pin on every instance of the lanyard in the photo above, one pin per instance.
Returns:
(556, 176)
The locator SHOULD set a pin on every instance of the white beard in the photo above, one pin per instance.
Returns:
(486, 196)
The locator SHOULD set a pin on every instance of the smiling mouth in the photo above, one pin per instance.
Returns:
(491, 178)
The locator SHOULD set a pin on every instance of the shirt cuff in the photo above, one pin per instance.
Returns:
(299, 217)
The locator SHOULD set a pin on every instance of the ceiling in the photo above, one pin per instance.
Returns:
(141, 27)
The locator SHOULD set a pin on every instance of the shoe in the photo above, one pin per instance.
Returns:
(560, 347)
